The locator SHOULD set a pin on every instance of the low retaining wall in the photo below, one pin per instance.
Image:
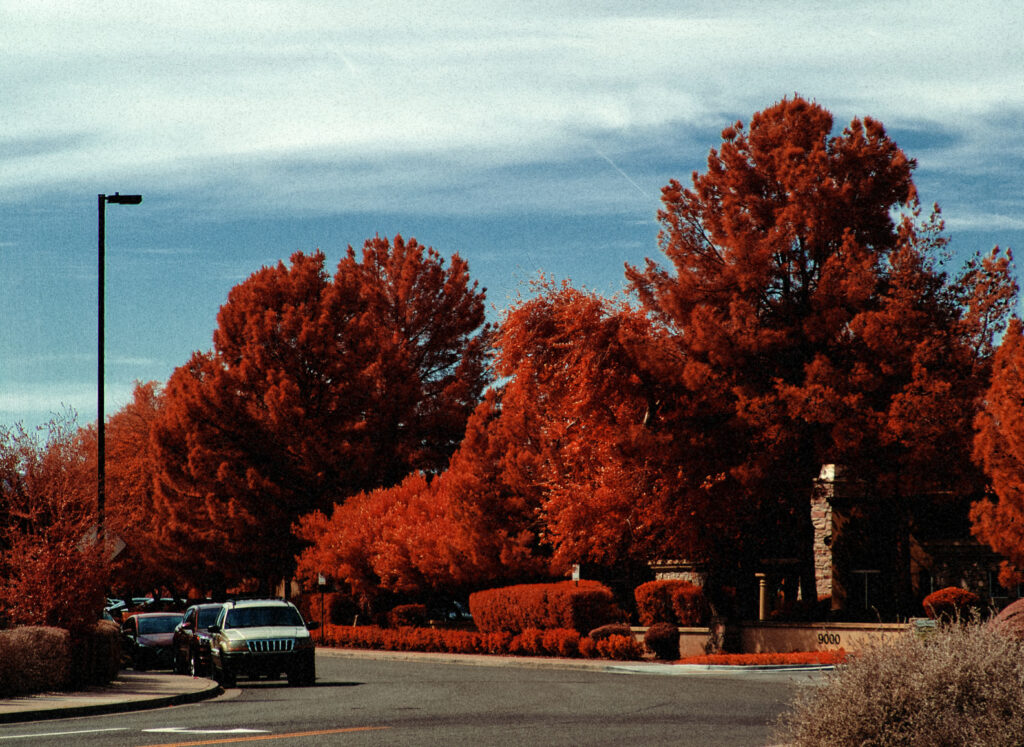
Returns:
(692, 641)
(784, 638)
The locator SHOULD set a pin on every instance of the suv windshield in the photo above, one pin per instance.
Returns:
(259, 617)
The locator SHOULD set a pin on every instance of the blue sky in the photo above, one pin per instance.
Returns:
(524, 137)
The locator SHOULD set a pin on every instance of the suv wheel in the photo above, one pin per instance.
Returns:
(303, 676)
(223, 678)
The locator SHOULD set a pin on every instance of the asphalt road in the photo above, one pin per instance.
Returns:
(370, 702)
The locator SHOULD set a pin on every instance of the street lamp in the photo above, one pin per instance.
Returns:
(101, 447)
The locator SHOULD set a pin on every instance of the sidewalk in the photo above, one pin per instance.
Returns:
(131, 691)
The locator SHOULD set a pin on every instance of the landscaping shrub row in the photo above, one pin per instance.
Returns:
(671, 601)
(37, 659)
(561, 642)
(824, 658)
(581, 606)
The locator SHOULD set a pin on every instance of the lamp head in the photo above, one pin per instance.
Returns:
(119, 199)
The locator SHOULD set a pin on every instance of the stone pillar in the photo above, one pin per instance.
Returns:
(821, 518)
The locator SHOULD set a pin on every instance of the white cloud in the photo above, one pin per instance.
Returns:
(177, 89)
(984, 221)
(34, 402)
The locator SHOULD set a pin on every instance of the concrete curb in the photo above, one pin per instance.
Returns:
(97, 702)
(603, 665)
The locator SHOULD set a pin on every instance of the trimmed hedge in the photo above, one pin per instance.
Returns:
(580, 606)
(408, 615)
(39, 659)
(671, 601)
(34, 659)
(560, 642)
(96, 654)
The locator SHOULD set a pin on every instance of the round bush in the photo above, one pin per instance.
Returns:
(962, 684)
(663, 641)
(949, 603)
(408, 615)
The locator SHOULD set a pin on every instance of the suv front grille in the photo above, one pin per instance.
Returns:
(271, 645)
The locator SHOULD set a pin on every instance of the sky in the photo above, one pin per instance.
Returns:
(529, 137)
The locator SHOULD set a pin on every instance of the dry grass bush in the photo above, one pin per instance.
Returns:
(960, 685)
(34, 659)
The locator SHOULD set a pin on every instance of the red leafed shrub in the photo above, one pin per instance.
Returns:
(619, 647)
(588, 648)
(580, 606)
(689, 605)
(837, 656)
(607, 631)
(562, 642)
(653, 604)
(411, 615)
(671, 601)
(950, 603)
(497, 642)
(528, 643)
(662, 639)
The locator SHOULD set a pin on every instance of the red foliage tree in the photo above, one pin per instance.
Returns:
(148, 562)
(592, 380)
(316, 388)
(999, 446)
(53, 571)
(466, 528)
(816, 328)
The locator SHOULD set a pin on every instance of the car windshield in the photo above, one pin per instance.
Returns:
(152, 625)
(208, 616)
(259, 617)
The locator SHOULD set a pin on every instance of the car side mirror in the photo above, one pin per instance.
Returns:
(312, 625)
(214, 629)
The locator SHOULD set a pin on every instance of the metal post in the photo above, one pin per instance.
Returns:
(101, 442)
(101, 445)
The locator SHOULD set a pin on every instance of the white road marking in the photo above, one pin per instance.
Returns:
(56, 734)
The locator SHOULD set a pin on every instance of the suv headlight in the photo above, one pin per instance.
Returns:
(235, 645)
(304, 644)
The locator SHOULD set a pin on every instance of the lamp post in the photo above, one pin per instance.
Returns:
(101, 447)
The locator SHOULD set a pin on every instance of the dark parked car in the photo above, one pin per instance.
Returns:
(146, 640)
(192, 639)
(262, 637)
